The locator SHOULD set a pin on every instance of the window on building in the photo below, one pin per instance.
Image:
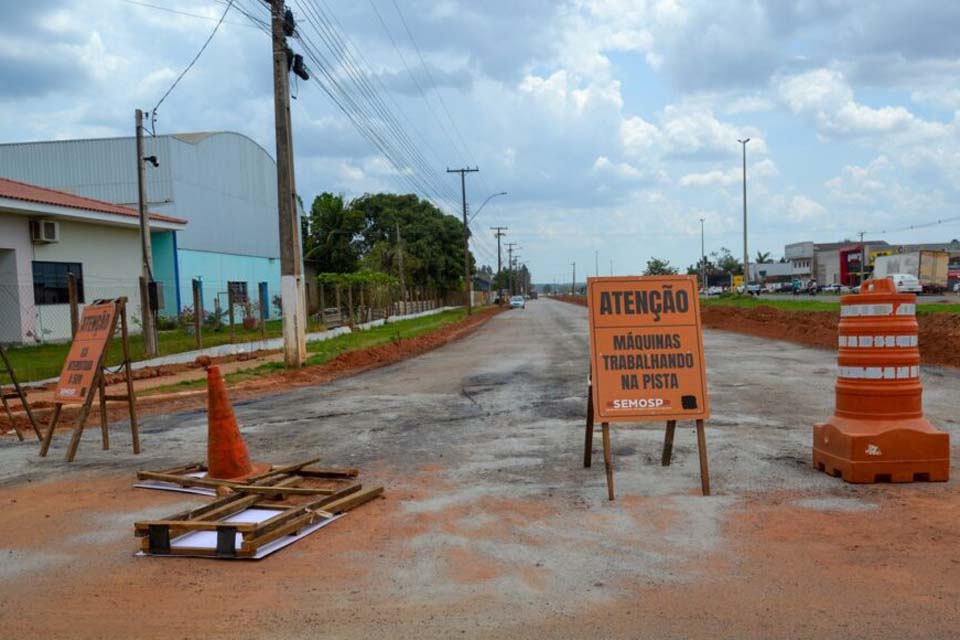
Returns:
(50, 282)
(238, 291)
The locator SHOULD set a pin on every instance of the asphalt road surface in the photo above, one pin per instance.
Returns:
(491, 526)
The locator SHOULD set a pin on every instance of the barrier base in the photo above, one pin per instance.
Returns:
(894, 451)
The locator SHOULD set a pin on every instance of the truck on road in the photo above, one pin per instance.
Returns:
(929, 267)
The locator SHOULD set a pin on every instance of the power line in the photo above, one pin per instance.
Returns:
(153, 113)
(186, 13)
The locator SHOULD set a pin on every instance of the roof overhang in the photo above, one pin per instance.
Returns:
(43, 210)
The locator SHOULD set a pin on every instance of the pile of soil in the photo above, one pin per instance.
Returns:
(939, 332)
(346, 364)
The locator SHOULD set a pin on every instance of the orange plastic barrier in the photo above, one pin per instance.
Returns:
(227, 457)
(878, 432)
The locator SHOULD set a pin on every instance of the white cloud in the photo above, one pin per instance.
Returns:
(803, 209)
(825, 96)
(734, 175)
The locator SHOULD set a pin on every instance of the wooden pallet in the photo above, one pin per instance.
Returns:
(294, 479)
(159, 537)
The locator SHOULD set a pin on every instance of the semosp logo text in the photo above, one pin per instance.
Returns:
(638, 403)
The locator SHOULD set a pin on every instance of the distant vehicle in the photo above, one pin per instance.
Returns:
(752, 289)
(930, 268)
(831, 288)
(714, 291)
(906, 283)
(517, 302)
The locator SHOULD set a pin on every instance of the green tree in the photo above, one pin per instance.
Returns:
(333, 240)
(764, 257)
(658, 267)
(347, 236)
(726, 262)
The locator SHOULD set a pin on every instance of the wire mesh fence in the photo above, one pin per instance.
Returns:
(36, 317)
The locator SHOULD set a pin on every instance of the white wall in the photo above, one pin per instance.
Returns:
(16, 279)
(110, 259)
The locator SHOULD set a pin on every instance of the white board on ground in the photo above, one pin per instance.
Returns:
(173, 486)
(208, 539)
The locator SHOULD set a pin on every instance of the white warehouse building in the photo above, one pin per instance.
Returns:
(223, 184)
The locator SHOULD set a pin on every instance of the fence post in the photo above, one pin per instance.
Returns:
(264, 302)
(350, 303)
(74, 305)
(336, 290)
(230, 313)
(197, 313)
(323, 305)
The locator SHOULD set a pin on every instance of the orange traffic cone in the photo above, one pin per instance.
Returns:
(227, 457)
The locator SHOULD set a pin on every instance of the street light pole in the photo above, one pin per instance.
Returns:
(703, 259)
(746, 255)
(489, 198)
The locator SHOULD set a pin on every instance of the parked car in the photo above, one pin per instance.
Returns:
(517, 302)
(906, 283)
(714, 291)
(831, 288)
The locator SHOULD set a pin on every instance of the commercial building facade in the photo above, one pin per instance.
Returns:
(46, 235)
(223, 183)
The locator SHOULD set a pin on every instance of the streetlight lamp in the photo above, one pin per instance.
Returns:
(746, 256)
(489, 198)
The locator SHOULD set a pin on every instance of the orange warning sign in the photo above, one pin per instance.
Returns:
(94, 332)
(646, 349)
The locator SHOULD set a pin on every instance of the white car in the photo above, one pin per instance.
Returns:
(517, 302)
(906, 283)
(714, 291)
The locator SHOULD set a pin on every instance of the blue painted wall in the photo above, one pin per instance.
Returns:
(216, 269)
(165, 270)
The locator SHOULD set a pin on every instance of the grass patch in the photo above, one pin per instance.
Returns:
(44, 361)
(829, 303)
(327, 350)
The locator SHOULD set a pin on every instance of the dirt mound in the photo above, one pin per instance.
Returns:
(939, 332)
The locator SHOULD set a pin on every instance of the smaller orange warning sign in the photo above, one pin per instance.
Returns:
(646, 349)
(96, 328)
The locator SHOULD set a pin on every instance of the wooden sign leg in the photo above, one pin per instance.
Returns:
(13, 421)
(607, 458)
(21, 394)
(588, 439)
(80, 423)
(128, 374)
(48, 436)
(668, 443)
(702, 449)
(104, 429)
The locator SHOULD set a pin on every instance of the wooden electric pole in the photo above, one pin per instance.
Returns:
(403, 290)
(292, 292)
(499, 233)
(467, 280)
(146, 249)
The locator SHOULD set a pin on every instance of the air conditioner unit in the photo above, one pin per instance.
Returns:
(44, 231)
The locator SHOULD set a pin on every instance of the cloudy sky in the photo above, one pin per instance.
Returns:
(612, 124)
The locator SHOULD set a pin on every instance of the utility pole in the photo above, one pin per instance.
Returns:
(703, 259)
(146, 247)
(746, 256)
(573, 286)
(499, 233)
(403, 290)
(467, 280)
(291, 262)
(510, 246)
(611, 267)
(596, 262)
